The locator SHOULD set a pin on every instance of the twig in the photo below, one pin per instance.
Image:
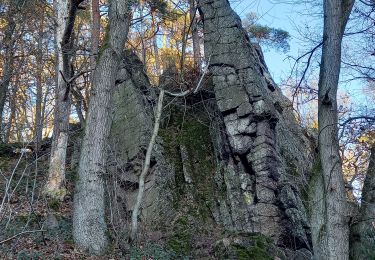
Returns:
(204, 74)
(146, 168)
(19, 234)
(187, 92)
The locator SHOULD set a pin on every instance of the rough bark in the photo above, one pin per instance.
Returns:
(95, 31)
(261, 150)
(66, 15)
(89, 225)
(7, 44)
(363, 231)
(333, 234)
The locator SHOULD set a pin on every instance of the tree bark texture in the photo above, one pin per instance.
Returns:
(332, 237)
(7, 44)
(66, 15)
(95, 31)
(89, 226)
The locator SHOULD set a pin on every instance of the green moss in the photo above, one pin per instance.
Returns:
(54, 204)
(181, 243)
(105, 44)
(186, 131)
(307, 192)
(255, 252)
(182, 239)
(322, 231)
(252, 246)
(72, 176)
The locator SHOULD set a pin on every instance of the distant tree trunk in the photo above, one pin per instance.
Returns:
(155, 44)
(8, 42)
(78, 106)
(56, 172)
(89, 227)
(363, 232)
(195, 35)
(184, 36)
(38, 128)
(331, 239)
(95, 31)
(12, 107)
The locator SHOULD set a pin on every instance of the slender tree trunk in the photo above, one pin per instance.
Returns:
(95, 31)
(12, 106)
(363, 232)
(56, 173)
(8, 43)
(334, 232)
(38, 129)
(89, 226)
(195, 35)
(145, 169)
(155, 44)
(185, 34)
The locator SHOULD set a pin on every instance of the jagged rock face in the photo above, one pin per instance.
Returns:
(130, 135)
(263, 155)
(248, 168)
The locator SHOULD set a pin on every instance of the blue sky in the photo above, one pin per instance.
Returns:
(278, 15)
(290, 17)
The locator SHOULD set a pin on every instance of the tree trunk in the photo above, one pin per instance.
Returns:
(12, 107)
(89, 226)
(334, 232)
(155, 44)
(38, 128)
(146, 167)
(8, 43)
(95, 31)
(195, 35)
(56, 172)
(363, 232)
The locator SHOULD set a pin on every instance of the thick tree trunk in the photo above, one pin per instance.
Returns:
(56, 173)
(89, 226)
(334, 232)
(363, 232)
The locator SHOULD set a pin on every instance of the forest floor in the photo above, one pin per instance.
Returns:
(30, 226)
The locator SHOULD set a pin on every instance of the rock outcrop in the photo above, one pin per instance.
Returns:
(131, 130)
(231, 162)
(264, 155)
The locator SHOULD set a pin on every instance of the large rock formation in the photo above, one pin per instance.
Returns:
(264, 155)
(231, 162)
(130, 134)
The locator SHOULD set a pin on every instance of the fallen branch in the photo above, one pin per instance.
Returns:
(146, 168)
(22, 233)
